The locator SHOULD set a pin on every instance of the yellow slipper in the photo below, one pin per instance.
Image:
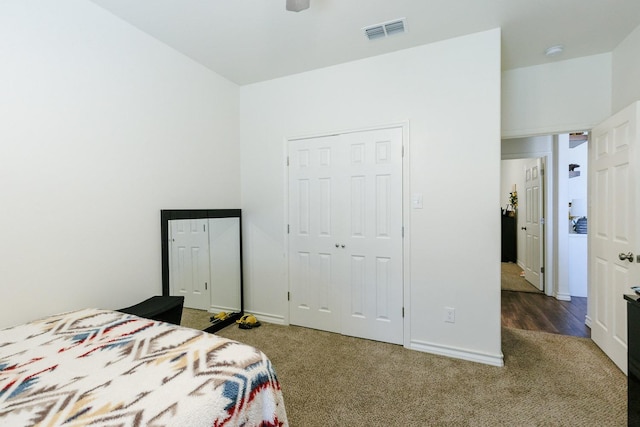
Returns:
(248, 321)
(219, 317)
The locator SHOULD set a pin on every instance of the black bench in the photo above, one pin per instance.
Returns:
(162, 308)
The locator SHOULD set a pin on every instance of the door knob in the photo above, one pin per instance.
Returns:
(523, 228)
(342, 246)
(337, 245)
(628, 257)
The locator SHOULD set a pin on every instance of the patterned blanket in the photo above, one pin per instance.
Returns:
(105, 368)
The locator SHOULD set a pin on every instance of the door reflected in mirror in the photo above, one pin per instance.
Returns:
(202, 260)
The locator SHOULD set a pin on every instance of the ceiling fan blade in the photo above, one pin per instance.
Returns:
(297, 5)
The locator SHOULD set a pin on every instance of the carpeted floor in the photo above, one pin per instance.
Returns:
(511, 280)
(547, 380)
(196, 319)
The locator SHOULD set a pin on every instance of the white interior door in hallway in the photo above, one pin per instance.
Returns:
(534, 235)
(614, 206)
(205, 263)
(345, 234)
(189, 258)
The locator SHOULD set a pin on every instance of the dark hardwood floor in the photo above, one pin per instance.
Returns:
(538, 312)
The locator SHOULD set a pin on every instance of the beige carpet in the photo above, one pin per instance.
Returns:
(548, 380)
(512, 281)
(196, 319)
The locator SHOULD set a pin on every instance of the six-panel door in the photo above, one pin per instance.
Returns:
(345, 234)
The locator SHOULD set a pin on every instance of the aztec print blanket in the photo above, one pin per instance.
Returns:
(105, 368)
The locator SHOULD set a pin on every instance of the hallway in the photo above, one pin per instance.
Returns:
(538, 312)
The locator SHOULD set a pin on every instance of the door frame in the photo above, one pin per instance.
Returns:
(406, 241)
(556, 241)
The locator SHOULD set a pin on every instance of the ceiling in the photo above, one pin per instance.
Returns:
(249, 41)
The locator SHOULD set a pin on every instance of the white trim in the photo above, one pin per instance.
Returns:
(587, 321)
(458, 353)
(550, 253)
(406, 223)
(563, 297)
(529, 155)
(285, 184)
(268, 318)
(347, 131)
(552, 130)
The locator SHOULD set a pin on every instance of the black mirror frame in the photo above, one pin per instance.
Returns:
(168, 214)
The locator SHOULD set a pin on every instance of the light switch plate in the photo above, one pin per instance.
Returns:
(416, 201)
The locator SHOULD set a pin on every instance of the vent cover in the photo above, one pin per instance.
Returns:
(385, 29)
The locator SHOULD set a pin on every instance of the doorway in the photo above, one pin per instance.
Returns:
(562, 262)
(522, 217)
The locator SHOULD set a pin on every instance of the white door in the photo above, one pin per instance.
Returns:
(611, 228)
(372, 303)
(189, 261)
(314, 212)
(345, 236)
(533, 223)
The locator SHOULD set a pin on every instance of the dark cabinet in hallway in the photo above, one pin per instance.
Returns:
(509, 241)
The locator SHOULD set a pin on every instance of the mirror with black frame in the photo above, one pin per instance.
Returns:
(202, 261)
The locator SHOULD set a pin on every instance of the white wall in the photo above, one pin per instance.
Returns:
(521, 148)
(556, 97)
(577, 243)
(449, 93)
(512, 173)
(560, 215)
(626, 72)
(102, 126)
(577, 187)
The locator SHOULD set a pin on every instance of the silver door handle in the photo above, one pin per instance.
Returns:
(628, 257)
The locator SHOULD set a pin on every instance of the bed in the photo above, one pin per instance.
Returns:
(106, 368)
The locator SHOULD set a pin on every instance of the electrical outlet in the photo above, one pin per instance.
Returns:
(449, 315)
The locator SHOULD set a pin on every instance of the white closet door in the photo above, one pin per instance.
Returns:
(190, 262)
(372, 296)
(345, 237)
(314, 232)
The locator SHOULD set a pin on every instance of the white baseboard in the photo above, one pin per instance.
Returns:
(266, 317)
(219, 308)
(457, 353)
(587, 321)
(563, 297)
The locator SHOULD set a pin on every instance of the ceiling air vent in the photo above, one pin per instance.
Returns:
(385, 29)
